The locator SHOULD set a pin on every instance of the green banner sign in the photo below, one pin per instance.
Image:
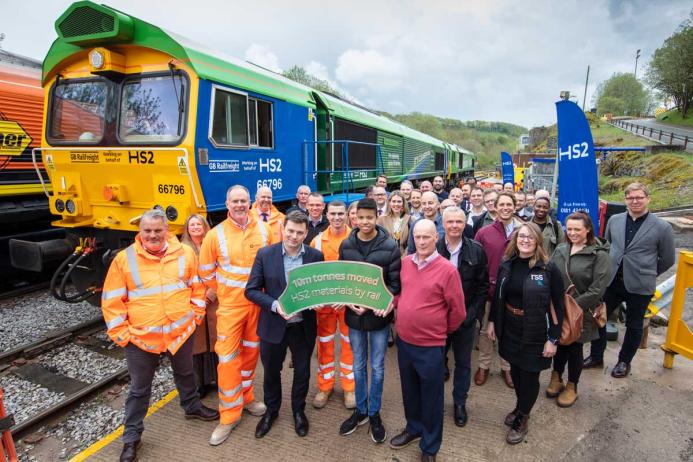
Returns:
(335, 282)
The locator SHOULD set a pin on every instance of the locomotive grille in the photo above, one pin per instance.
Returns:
(86, 21)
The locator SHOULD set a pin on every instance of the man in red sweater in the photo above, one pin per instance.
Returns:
(429, 307)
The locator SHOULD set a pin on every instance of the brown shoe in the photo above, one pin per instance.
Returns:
(507, 378)
(481, 376)
(518, 430)
(568, 396)
(555, 386)
(510, 418)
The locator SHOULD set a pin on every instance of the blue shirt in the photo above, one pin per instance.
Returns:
(291, 262)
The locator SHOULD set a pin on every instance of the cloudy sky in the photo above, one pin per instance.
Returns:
(503, 60)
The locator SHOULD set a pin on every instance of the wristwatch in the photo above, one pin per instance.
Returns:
(553, 340)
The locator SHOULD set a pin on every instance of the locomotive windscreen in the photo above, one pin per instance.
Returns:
(360, 156)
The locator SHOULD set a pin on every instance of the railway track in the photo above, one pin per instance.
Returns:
(62, 369)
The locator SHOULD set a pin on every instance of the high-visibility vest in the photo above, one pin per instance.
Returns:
(275, 220)
(227, 255)
(328, 243)
(153, 302)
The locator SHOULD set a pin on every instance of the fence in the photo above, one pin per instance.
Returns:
(658, 134)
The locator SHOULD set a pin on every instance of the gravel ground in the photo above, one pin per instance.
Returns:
(91, 421)
(80, 363)
(24, 399)
(28, 318)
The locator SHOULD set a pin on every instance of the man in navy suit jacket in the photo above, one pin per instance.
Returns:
(277, 330)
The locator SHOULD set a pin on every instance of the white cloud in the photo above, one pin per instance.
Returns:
(368, 68)
(262, 56)
(319, 70)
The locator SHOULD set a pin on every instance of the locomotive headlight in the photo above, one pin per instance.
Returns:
(70, 206)
(96, 59)
(60, 205)
(171, 213)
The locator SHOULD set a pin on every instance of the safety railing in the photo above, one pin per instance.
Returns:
(663, 136)
(346, 173)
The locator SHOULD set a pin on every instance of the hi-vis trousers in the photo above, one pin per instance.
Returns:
(238, 348)
(327, 329)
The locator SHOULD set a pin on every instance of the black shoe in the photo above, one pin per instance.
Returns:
(621, 370)
(591, 362)
(377, 430)
(355, 420)
(301, 423)
(265, 424)
(403, 440)
(204, 413)
(129, 453)
(460, 415)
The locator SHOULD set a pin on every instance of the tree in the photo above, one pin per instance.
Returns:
(622, 94)
(300, 75)
(671, 68)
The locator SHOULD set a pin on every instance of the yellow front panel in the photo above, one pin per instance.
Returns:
(113, 186)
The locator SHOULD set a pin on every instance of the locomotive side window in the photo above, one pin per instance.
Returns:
(78, 112)
(152, 110)
(240, 121)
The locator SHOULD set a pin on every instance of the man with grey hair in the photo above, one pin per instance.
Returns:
(406, 188)
(642, 248)
(152, 301)
(302, 194)
(425, 186)
(226, 258)
(469, 258)
(430, 306)
(380, 196)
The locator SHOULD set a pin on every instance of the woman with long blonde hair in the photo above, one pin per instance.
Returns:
(526, 286)
(204, 358)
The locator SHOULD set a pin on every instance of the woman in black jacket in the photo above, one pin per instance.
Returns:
(368, 330)
(520, 317)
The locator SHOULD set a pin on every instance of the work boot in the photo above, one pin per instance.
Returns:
(349, 399)
(256, 408)
(518, 430)
(568, 396)
(321, 399)
(555, 386)
(222, 432)
(510, 418)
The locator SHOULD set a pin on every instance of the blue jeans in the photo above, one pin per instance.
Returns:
(360, 342)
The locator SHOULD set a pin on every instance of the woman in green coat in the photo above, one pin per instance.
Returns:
(584, 262)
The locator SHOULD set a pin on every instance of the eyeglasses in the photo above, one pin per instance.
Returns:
(636, 198)
(525, 237)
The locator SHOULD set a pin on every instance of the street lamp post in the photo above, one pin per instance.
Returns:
(635, 72)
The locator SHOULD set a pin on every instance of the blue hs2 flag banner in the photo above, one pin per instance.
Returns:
(577, 165)
(507, 169)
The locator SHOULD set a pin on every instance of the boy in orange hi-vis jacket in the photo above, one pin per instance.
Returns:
(226, 258)
(328, 242)
(152, 300)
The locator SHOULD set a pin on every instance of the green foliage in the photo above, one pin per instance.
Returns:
(300, 75)
(623, 94)
(671, 68)
(674, 117)
(485, 139)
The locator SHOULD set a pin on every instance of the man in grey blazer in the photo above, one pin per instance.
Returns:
(642, 248)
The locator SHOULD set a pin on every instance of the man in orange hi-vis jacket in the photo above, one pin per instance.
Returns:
(328, 242)
(263, 210)
(152, 301)
(226, 258)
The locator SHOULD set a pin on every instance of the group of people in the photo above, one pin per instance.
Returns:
(462, 265)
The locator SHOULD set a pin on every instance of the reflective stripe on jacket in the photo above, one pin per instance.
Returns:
(227, 255)
(153, 302)
(275, 221)
(328, 243)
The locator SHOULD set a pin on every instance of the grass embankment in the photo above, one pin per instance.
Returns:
(674, 117)
(669, 175)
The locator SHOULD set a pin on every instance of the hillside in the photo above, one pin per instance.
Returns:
(485, 139)
(674, 117)
(668, 174)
